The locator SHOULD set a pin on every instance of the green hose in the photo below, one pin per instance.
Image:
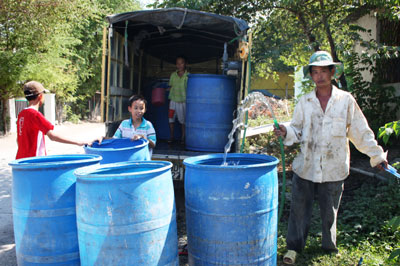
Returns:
(283, 193)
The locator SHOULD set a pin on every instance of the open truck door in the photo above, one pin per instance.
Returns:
(139, 52)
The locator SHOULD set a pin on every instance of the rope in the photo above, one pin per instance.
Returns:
(183, 20)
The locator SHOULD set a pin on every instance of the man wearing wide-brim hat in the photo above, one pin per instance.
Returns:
(323, 122)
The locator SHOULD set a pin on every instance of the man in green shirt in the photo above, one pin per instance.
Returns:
(177, 95)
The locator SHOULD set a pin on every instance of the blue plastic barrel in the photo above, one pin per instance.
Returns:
(120, 150)
(158, 115)
(210, 102)
(43, 202)
(126, 214)
(231, 211)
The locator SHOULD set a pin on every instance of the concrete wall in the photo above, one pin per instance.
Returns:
(369, 23)
(49, 107)
(11, 114)
(49, 110)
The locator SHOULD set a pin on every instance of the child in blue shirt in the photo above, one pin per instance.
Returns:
(137, 127)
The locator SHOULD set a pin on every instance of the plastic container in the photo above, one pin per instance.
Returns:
(158, 96)
(43, 200)
(126, 214)
(120, 150)
(231, 211)
(158, 115)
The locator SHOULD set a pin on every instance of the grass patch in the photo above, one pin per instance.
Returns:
(362, 230)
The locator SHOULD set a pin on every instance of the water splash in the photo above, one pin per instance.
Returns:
(249, 101)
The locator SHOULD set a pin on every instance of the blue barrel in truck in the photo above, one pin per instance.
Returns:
(210, 102)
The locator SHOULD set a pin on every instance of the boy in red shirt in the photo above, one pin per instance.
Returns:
(32, 125)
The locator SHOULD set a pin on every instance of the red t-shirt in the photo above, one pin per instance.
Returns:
(31, 128)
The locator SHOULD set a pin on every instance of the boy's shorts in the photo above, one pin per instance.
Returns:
(177, 110)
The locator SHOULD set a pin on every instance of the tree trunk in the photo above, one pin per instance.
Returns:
(307, 31)
(4, 116)
(331, 42)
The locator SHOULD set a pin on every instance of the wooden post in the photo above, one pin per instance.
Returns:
(248, 76)
(107, 100)
(103, 73)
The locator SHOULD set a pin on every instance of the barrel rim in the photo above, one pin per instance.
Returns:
(40, 161)
(92, 172)
(145, 143)
(194, 161)
(211, 76)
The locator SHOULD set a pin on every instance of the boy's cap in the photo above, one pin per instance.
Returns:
(33, 88)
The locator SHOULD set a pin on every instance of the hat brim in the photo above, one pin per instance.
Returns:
(37, 93)
(338, 68)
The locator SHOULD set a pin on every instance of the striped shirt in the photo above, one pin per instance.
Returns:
(127, 130)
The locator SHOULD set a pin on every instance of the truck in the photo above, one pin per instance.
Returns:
(139, 53)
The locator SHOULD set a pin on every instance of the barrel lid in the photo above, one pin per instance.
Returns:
(50, 161)
(235, 161)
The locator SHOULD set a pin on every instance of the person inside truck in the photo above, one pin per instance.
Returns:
(177, 96)
(137, 127)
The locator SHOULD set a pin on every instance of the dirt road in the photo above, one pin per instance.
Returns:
(8, 148)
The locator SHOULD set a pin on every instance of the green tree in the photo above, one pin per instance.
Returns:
(23, 29)
(89, 30)
(287, 32)
(55, 42)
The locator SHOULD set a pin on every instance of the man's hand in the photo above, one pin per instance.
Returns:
(281, 132)
(383, 165)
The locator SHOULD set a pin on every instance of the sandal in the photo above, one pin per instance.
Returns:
(290, 257)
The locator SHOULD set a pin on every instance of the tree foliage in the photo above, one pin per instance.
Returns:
(287, 32)
(55, 42)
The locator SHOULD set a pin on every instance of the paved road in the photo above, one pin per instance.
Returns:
(8, 149)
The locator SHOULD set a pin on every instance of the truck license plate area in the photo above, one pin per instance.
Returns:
(178, 168)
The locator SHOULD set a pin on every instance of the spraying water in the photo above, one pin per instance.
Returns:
(244, 106)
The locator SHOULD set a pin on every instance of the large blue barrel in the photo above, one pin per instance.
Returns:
(210, 102)
(120, 150)
(231, 211)
(43, 201)
(126, 214)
